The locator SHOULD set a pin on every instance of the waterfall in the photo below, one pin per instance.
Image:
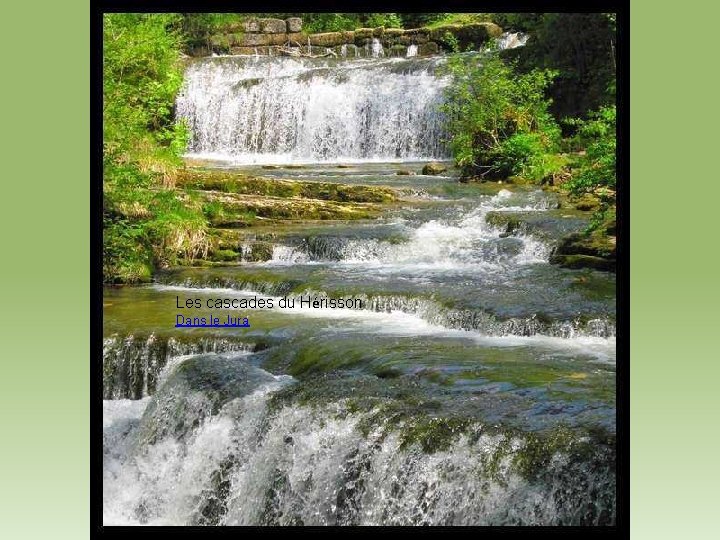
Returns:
(512, 40)
(377, 48)
(290, 110)
(132, 364)
(229, 455)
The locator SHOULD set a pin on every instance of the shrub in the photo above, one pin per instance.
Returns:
(388, 20)
(498, 121)
(596, 169)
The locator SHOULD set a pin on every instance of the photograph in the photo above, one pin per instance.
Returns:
(360, 269)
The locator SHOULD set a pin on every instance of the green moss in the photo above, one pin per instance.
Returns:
(433, 434)
(504, 220)
(258, 252)
(317, 359)
(576, 262)
(243, 184)
(434, 168)
(587, 202)
(595, 249)
(225, 255)
(436, 376)
(386, 372)
(535, 455)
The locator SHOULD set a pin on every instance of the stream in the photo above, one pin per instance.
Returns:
(475, 386)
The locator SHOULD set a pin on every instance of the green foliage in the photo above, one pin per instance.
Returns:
(213, 210)
(596, 168)
(387, 20)
(141, 76)
(441, 19)
(452, 42)
(147, 223)
(198, 27)
(579, 46)
(418, 20)
(498, 120)
(127, 256)
(330, 22)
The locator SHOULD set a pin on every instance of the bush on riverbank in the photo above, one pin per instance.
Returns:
(147, 223)
(498, 120)
(596, 167)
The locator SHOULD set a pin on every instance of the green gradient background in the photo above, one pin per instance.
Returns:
(44, 223)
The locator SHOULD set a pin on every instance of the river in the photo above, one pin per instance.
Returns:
(475, 386)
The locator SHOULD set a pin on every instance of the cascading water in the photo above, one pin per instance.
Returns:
(286, 110)
(132, 365)
(474, 387)
(257, 462)
(512, 40)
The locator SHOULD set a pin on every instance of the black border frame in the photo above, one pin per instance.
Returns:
(622, 7)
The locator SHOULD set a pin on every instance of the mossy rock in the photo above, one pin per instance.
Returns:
(405, 172)
(262, 207)
(595, 244)
(434, 168)
(198, 388)
(224, 255)
(503, 220)
(361, 34)
(274, 187)
(587, 203)
(610, 227)
(258, 252)
(273, 26)
(255, 40)
(398, 50)
(577, 262)
(232, 223)
(434, 434)
(427, 49)
(327, 39)
(580, 250)
(391, 33)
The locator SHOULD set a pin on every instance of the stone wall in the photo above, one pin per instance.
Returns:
(278, 36)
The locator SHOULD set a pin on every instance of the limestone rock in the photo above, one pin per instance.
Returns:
(297, 37)
(198, 388)
(434, 168)
(362, 34)
(425, 49)
(273, 26)
(254, 40)
(251, 25)
(294, 24)
(577, 250)
(393, 32)
(327, 39)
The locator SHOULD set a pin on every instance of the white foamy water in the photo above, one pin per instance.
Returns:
(314, 466)
(285, 110)
(421, 317)
(512, 40)
(461, 241)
